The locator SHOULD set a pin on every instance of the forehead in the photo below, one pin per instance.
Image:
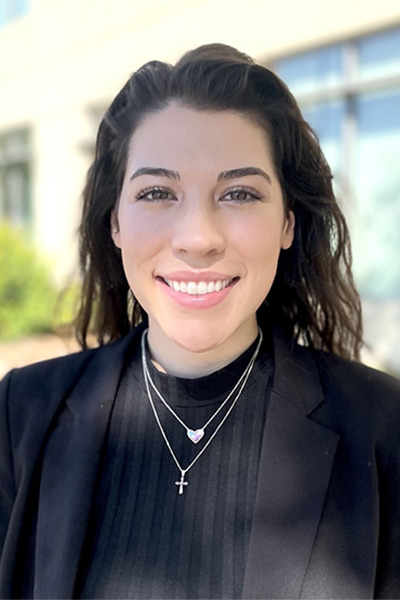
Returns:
(185, 134)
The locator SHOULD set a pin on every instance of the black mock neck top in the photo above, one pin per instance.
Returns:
(145, 540)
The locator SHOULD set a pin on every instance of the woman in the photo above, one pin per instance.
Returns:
(204, 453)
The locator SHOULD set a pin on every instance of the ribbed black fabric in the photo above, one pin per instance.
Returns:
(147, 541)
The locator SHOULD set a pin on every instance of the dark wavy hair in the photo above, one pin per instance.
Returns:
(313, 297)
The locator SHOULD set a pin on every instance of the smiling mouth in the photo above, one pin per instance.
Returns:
(199, 288)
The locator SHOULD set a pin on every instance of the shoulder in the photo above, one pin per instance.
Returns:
(339, 382)
(352, 379)
(39, 383)
(33, 398)
(47, 371)
(360, 403)
(74, 362)
(49, 374)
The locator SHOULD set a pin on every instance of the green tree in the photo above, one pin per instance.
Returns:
(27, 294)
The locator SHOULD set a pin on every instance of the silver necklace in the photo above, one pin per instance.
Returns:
(241, 384)
(195, 435)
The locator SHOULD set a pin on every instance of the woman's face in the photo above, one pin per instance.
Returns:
(200, 223)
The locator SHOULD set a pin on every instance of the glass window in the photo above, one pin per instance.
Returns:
(376, 231)
(379, 55)
(12, 9)
(309, 71)
(327, 121)
(360, 136)
(358, 125)
(15, 177)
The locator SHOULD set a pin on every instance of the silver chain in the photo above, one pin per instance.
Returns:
(189, 430)
(241, 384)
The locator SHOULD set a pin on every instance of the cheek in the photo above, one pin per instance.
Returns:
(139, 235)
(259, 240)
(139, 244)
(260, 247)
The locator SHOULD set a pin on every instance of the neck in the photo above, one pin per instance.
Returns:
(170, 357)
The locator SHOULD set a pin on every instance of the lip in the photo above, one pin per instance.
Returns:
(198, 301)
(196, 276)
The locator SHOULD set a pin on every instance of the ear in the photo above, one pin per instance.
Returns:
(288, 231)
(115, 233)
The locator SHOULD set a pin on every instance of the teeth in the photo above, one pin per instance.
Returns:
(193, 288)
(202, 287)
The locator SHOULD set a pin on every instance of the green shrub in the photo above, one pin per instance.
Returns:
(66, 308)
(27, 294)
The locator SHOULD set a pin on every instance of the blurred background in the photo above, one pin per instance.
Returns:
(62, 62)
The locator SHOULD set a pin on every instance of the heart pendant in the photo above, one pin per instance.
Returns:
(195, 436)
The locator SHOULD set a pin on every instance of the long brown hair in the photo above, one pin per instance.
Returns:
(313, 297)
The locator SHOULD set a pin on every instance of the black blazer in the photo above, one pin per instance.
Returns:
(327, 514)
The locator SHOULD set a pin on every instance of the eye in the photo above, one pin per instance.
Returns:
(155, 194)
(241, 194)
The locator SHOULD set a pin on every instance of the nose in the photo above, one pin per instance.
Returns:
(198, 233)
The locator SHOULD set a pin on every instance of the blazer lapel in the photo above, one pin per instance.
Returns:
(295, 466)
(69, 472)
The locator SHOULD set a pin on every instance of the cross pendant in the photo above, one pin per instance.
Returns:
(181, 482)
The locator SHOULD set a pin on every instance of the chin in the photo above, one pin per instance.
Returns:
(201, 334)
(197, 342)
(198, 336)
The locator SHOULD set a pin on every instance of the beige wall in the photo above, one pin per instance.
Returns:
(66, 56)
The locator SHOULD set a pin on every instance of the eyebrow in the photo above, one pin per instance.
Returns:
(223, 176)
(243, 172)
(157, 171)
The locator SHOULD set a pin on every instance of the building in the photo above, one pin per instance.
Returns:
(62, 61)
